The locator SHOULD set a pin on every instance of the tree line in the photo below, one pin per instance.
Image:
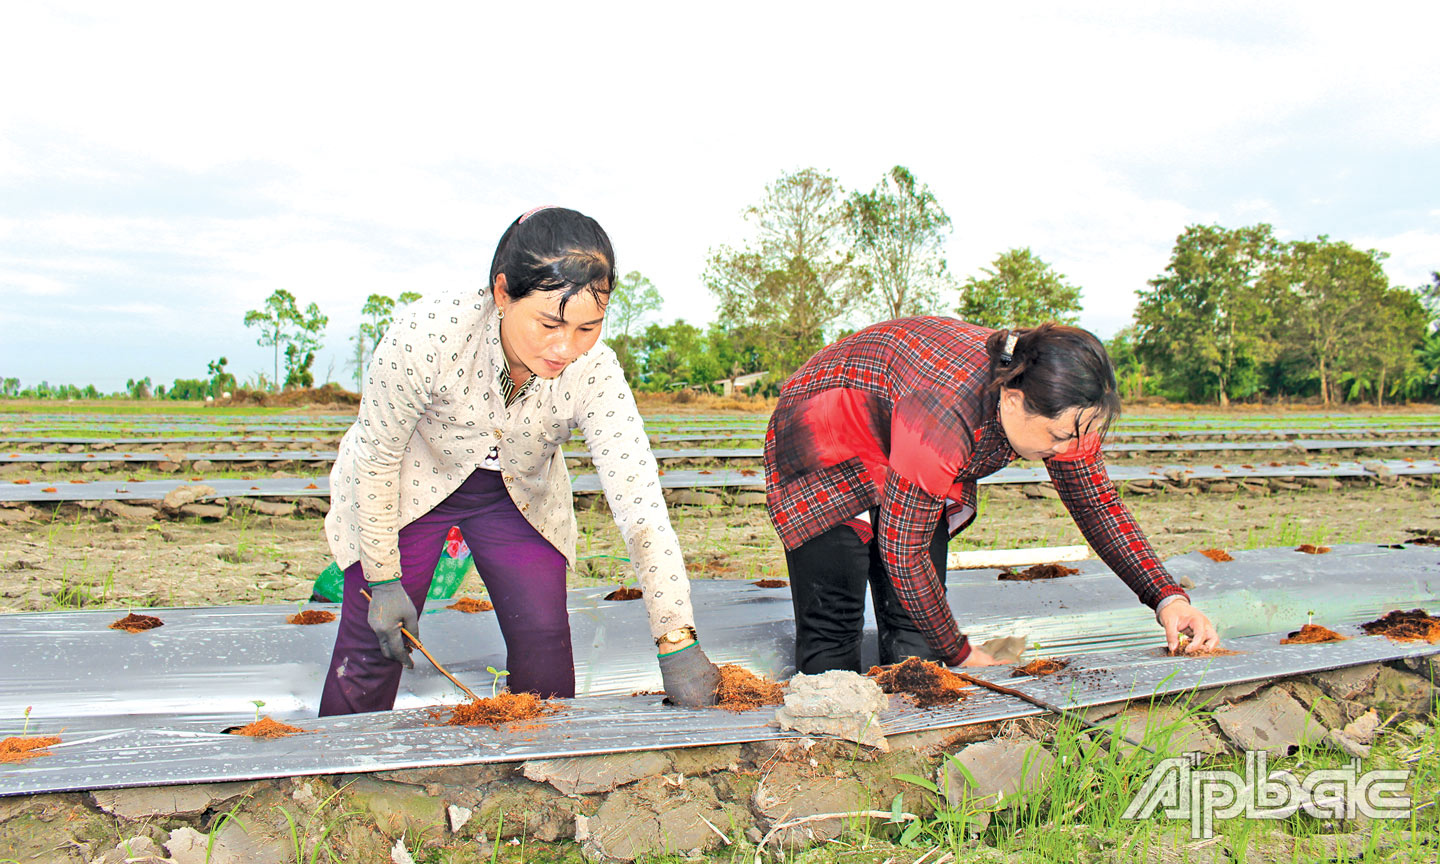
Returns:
(1237, 314)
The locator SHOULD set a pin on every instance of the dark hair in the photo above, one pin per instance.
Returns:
(555, 249)
(1057, 367)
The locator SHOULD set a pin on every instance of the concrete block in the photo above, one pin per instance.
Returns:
(1273, 721)
(1003, 768)
(584, 775)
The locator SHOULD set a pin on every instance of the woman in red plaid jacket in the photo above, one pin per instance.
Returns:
(871, 459)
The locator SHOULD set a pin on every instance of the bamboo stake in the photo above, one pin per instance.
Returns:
(1041, 703)
(443, 671)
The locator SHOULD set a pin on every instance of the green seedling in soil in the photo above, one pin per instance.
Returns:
(258, 703)
(495, 685)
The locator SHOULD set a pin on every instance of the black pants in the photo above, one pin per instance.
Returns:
(828, 576)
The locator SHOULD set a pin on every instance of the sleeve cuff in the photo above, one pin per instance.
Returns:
(961, 654)
(1166, 601)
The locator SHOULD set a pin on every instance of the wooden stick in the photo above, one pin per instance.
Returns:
(1041, 703)
(443, 671)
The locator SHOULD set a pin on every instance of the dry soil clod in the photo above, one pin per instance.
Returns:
(133, 623)
(1218, 555)
(625, 594)
(770, 583)
(1311, 549)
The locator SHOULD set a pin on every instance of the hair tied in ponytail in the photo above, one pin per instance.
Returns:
(533, 211)
(1007, 354)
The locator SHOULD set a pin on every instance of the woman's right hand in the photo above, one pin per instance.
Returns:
(390, 610)
(980, 658)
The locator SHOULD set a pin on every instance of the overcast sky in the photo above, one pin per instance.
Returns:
(165, 167)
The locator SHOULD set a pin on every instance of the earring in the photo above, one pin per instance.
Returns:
(501, 313)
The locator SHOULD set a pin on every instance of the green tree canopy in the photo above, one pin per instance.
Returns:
(793, 282)
(1018, 290)
(899, 231)
(1207, 319)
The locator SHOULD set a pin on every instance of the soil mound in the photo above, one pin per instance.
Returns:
(1038, 668)
(1039, 571)
(19, 749)
(1310, 549)
(133, 623)
(1217, 555)
(1414, 541)
(470, 604)
(1312, 634)
(625, 594)
(330, 394)
(266, 728)
(497, 710)
(927, 684)
(1412, 626)
(312, 616)
(771, 583)
(741, 690)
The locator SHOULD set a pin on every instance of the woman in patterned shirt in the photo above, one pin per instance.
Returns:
(871, 460)
(465, 405)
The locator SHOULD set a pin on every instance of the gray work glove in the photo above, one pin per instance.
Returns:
(391, 609)
(691, 680)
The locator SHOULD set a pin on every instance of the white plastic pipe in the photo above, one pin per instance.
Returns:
(976, 559)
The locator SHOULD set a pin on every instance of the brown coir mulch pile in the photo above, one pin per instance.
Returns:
(741, 690)
(770, 583)
(1039, 668)
(19, 749)
(1217, 555)
(1039, 571)
(927, 684)
(470, 604)
(267, 728)
(1310, 549)
(1312, 634)
(312, 616)
(625, 594)
(1412, 626)
(497, 710)
(1185, 641)
(133, 623)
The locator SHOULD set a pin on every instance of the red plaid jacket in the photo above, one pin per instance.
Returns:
(896, 417)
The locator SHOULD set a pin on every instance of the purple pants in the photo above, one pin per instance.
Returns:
(524, 576)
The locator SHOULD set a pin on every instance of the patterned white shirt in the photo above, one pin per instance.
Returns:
(432, 409)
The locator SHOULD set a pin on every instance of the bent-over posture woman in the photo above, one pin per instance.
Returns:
(465, 405)
(871, 459)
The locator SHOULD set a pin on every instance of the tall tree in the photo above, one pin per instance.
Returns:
(274, 320)
(1332, 292)
(1019, 290)
(899, 231)
(793, 283)
(1209, 316)
(634, 299)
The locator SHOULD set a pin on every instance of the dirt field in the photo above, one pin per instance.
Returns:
(85, 561)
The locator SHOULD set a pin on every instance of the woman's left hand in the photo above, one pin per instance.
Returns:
(1178, 617)
(691, 680)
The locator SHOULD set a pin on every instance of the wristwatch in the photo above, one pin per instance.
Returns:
(675, 637)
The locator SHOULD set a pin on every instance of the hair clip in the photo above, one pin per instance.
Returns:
(529, 213)
(1007, 353)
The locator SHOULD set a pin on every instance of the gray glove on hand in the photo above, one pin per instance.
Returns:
(391, 609)
(691, 680)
